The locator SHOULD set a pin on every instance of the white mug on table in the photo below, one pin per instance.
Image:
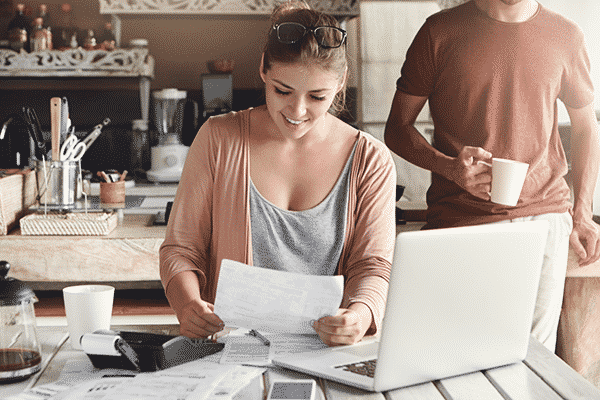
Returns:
(88, 308)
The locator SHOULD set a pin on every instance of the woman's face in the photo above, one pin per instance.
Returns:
(298, 96)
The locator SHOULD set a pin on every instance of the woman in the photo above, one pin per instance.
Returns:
(287, 186)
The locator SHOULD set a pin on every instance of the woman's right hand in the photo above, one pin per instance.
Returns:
(197, 319)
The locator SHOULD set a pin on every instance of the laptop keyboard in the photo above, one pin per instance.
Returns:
(366, 368)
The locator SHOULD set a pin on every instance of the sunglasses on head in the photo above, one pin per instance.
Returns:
(328, 37)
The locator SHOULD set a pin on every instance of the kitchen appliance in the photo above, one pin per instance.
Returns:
(143, 351)
(168, 156)
(20, 353)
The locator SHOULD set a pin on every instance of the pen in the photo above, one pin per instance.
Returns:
(103, 175)
(257, 334)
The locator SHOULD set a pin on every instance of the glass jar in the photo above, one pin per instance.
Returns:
(140, 148)
(20, 353)
(41, 38)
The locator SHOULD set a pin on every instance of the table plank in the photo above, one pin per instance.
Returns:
(334, 390)
(518, 382)
(473, 386)
(424, 391)
(558, 375)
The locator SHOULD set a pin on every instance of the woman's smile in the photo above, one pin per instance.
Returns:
(292, 121)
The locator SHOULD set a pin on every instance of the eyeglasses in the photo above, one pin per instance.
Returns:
(328, 37)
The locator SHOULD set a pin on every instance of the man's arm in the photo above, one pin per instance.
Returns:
(404, 139)
(585, 159)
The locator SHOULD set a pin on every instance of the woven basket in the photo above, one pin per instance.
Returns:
(17, 194)
(80, 224)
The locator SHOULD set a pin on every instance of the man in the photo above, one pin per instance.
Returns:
(492, 71)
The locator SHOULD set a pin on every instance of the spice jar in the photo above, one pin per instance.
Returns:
(41, 38)
(89, 42)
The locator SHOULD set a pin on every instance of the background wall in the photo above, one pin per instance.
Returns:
(586, 14)
(180, 45)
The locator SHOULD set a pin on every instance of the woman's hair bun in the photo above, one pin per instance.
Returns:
(280, 11)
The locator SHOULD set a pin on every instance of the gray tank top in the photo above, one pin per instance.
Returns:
(308, 242)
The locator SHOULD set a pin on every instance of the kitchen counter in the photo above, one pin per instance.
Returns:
(126, 258)
(127, 255)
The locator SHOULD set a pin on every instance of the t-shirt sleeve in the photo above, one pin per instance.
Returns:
(417, 74)
(577, 89)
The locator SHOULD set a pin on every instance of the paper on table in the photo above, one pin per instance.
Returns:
(241, 348)
(245, 350)
(194, 380)
(275, 301)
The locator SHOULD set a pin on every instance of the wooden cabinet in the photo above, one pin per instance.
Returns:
(84, 64)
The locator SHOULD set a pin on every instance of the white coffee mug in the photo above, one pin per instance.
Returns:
(508, 177)
(88, 308)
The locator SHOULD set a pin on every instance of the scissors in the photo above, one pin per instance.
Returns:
(72, 149)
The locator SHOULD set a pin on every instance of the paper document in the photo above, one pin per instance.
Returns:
(242, 348)
(245, 350)
(275, 301)
(196, 380)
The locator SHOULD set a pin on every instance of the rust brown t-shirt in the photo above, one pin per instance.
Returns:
(495, 85)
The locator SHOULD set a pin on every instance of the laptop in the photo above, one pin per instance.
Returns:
(460, 300)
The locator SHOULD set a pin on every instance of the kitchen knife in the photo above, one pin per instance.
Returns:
(55, 119)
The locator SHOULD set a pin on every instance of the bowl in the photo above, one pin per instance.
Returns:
(222, 66)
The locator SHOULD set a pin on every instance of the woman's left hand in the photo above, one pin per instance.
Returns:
(348, 326)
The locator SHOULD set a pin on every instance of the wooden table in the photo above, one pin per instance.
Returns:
(541, 376)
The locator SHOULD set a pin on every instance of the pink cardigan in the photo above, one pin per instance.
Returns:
(210, 218)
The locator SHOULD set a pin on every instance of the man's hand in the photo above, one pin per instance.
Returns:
(197, 319)
(585, 240)
(468, 172)
(348, 326)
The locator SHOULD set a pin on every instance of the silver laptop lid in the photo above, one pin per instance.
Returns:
(460, 300)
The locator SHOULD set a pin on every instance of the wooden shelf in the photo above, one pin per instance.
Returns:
(77, 63)
(82, 64)
(127, 302)
(347, 8)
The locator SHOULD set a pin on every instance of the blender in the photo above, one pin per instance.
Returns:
(168, 156)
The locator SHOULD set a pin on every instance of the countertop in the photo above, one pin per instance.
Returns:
(128, 254)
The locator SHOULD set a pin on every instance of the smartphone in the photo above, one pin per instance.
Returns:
(293, 389)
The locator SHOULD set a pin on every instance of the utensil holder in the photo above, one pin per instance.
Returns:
(112, 193)
(57, 183)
